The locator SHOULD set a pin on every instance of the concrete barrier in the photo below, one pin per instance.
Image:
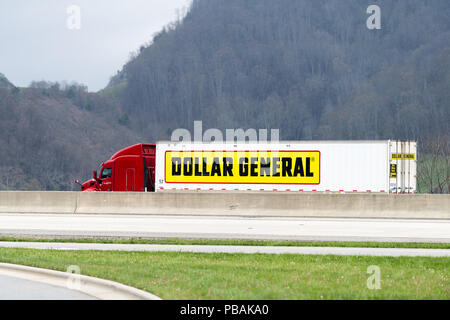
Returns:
(257, 204)
(37, 202)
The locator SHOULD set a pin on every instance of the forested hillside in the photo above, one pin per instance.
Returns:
(50, 136)
(310, 68)
(4, 82)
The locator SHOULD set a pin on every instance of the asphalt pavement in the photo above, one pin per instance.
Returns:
(211, 227)
(12, 288)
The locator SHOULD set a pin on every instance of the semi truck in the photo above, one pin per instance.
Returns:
(387, 166)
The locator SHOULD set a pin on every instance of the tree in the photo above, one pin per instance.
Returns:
(433, 171)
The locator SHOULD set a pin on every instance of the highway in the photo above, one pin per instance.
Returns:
(209, 227)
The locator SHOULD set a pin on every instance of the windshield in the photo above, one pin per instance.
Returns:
(106, 173)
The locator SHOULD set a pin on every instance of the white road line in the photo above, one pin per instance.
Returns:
(391, 252)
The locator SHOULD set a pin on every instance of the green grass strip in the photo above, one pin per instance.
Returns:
(174, 275)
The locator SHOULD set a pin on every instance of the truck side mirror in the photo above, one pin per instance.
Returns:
(94, 174)
(78, 182)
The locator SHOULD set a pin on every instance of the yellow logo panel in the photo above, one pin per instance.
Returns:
(252, 167)
(403, 156)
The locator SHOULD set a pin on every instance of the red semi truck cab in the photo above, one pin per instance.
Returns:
(130, 169)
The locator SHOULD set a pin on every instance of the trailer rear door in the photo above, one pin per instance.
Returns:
(403, 166)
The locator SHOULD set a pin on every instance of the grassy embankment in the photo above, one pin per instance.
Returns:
(173, 275)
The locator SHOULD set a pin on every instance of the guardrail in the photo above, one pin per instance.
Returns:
(257, 204)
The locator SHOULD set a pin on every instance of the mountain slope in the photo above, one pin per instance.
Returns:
(48, 139)
(4, 82)
(310, 68)
(297, 65)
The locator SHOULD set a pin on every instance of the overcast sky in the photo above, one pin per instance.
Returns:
(36, 42)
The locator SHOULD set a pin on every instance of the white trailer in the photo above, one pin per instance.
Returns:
(321, 166)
